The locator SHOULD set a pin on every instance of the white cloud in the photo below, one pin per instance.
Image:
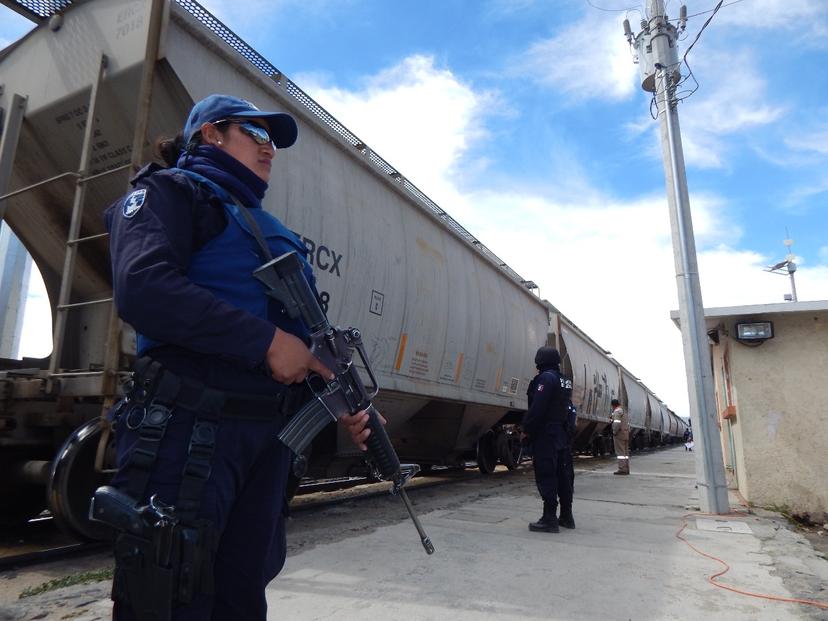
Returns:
(257, 17)
(815, 141)
(588, 60)
(805, 16)
(606, 263)
(722, 109)
(499, 8)
(420, 118)
(801, 199)
(823, 255)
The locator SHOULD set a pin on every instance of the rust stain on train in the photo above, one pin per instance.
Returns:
(401, 352)
(429, 249)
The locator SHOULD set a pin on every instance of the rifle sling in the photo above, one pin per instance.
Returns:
(254, 228)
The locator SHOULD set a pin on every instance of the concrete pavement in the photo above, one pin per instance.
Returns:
(362, 560)
(623, 561)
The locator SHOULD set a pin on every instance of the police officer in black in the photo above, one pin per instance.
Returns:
(546, 425)
(219, 368)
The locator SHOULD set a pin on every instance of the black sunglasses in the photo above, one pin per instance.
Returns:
(257, 133)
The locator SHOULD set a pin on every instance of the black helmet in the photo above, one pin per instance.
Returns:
(547, 357)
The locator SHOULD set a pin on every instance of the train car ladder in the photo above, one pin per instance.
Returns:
(112, 347)
(72, 243)
(8, 147)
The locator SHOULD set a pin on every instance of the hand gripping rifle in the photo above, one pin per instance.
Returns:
(343, 395)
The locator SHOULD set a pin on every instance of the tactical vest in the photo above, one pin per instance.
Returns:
(225, 264)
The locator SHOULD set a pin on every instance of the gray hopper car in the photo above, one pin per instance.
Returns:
(451, 331)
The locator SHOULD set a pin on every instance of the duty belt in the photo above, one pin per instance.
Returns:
(149, 405)
(161, 385)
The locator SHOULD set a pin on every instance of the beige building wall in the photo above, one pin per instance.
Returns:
(773, 407)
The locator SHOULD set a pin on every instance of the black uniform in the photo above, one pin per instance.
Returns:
(182, 257)
(546, 425)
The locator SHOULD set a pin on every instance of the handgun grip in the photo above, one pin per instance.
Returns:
(380, 448)
(112, 507)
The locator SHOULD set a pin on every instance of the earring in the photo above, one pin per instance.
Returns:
(218, 142)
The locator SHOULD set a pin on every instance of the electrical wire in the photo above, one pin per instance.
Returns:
(699, 33)
(712, 579)
(714, 9)
(632, 8)
(690, 75)
(681, 95)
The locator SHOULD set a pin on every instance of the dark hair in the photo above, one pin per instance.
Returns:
(547, 357)
(615, 402)
(169, 149)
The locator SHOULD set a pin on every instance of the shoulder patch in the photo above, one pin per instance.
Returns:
(540, 387)
(134, 202)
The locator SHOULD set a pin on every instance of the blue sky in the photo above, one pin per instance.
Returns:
(525, 121)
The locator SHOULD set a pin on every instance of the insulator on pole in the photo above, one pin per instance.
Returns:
(628, 31)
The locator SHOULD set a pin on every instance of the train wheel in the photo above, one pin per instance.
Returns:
(487, 453)
(73, 480)
(508, 449)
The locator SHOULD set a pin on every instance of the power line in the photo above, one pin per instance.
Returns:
(600, 8)
(682, 95)
(698, 34)
(714, 9)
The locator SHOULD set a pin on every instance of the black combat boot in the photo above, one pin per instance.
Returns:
(566, 520)
(548, 522)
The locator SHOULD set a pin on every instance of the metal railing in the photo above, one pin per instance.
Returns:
(259, 62)
(37, 10)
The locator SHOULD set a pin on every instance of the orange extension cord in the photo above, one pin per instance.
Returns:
(712, 578)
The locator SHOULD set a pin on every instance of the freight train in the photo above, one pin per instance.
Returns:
(450, 329)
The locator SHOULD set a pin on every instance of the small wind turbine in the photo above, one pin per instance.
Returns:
(786, 268)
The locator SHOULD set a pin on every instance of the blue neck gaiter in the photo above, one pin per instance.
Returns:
(226, 171)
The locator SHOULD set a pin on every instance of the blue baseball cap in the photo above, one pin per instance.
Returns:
(283, 130)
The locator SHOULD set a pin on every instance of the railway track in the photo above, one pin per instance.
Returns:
(41, 541)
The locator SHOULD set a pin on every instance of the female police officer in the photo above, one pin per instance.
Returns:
(213, 381)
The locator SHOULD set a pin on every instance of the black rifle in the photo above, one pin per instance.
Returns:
(343, 395)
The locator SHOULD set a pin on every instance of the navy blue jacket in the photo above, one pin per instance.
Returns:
(545, 422)
(204, 337)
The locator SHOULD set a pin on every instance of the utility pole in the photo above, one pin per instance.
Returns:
(657, 49)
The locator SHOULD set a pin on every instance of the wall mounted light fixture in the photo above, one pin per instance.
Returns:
(756, 331)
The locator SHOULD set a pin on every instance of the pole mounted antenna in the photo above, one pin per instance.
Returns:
(786, 268)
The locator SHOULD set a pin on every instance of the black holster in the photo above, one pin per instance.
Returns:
(172, 567)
